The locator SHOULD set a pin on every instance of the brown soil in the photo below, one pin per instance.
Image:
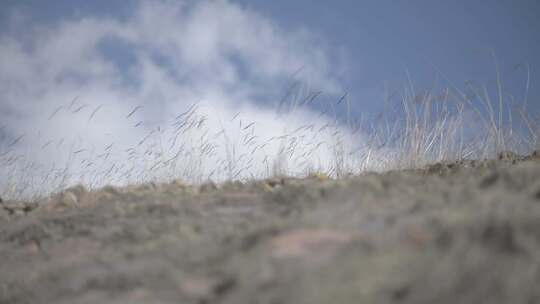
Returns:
(465, 232)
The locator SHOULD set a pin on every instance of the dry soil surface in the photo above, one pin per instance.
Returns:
(466, 232)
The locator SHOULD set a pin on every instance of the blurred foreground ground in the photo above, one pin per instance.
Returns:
(467, 232)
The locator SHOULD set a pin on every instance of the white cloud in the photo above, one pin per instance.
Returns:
(164, 58)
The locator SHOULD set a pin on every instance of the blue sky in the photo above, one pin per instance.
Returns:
(375, 42)
(95, 76)
(384, 38)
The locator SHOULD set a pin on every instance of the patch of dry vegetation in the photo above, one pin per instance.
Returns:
(425, 128)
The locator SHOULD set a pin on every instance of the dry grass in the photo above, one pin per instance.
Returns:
(424, 128)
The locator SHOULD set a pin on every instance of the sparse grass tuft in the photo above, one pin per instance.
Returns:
(194, 147)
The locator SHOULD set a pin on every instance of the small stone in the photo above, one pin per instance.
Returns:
(416, 236)
(196, 288)
(208, 186)
(508, 155)
(309, 244)
(275, 181)
(65, 200)
(78, 190)
(110, 190)
(179, 183)
(320, 176)
(439, 168)
(489, 180)
(33, 247)
(267, 187)
(500, 236)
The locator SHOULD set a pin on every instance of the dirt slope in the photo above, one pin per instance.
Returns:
(458, 233)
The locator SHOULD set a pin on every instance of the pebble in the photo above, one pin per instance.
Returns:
(275, 181)
(508, 155)
(196, 288)
(311, 244)
(62, 200)
(78, 191)
(208, 186)
(179, 183)
(319, 176)
(68, 199)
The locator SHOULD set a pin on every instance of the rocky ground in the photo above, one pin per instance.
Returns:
(465, 232)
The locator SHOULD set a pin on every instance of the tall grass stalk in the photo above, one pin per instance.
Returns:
(424, 127)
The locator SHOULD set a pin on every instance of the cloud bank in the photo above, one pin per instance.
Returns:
(179, 89)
